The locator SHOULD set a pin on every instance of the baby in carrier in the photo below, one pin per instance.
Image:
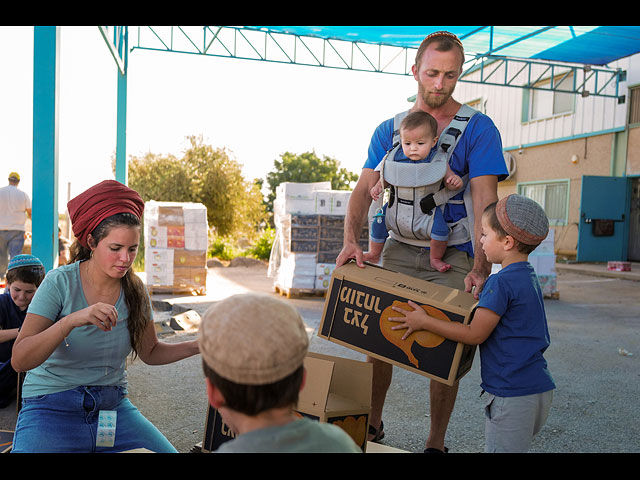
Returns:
(418, 134)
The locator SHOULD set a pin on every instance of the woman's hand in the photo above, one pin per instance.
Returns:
(102, 315)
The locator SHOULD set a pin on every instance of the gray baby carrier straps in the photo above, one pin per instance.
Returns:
(416, 189)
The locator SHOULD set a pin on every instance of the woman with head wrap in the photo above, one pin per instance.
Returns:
(84, 321)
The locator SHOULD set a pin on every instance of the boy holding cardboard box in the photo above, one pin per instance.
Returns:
(510, 326)
(253, 347)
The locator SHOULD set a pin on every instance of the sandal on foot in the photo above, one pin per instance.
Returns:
(378, 433)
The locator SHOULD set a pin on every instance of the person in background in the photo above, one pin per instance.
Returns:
(16, 208)
(63, 248)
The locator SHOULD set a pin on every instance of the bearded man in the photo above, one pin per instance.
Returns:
(478, 156)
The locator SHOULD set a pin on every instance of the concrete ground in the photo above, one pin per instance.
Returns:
(594, 359)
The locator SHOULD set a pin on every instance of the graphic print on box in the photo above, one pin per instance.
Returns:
(360, 318)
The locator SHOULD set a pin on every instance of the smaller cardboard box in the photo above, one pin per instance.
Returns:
(338, 391)
(358, 305)
(190, 258)
(159, 256)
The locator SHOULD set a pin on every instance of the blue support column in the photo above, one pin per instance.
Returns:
(121, 139)
(46, 61)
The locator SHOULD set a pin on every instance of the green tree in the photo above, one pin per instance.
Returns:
(204, 175)
(307, 168)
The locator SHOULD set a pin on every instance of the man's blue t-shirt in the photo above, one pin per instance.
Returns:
(511, 358)
(478, 153)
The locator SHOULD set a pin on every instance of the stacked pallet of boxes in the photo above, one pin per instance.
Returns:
(543, 261)
(309, 221)
(176, 240)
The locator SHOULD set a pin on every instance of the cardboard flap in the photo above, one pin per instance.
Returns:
(351, 378)
(313, 396)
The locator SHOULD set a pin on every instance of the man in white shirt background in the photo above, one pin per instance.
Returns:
(15, 208)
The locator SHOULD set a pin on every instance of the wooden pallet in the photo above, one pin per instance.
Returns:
(195, 291)
(299, 292)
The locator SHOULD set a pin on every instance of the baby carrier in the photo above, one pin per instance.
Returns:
(416, 189)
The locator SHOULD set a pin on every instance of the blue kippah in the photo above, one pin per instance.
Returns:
(24, 260)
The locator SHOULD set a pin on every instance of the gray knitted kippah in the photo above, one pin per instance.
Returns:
(523, 219)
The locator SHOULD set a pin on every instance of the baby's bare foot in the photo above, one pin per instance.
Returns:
(440, 265)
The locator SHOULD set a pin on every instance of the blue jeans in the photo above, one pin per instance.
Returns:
(11, 243)
(67, 422)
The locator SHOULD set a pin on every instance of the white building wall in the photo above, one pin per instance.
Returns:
(590, 115)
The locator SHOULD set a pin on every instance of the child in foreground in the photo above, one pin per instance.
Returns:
(509, 324)
(24, 275)
(253, 348)
(418, 136)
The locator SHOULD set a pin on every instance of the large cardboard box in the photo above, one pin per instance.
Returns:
(358, 305)
(338, 391)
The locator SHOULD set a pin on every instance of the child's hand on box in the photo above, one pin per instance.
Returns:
(413, 320)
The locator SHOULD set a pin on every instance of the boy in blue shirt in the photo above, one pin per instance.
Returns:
(509, 324)
(24, 275)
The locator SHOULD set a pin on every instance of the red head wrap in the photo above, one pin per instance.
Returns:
(103, 200)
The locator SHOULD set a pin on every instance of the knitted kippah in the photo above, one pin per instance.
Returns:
(253, 339)
(523, 219)
(24, 260)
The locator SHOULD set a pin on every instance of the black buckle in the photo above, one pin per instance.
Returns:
(427, 204)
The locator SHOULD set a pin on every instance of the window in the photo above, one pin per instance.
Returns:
(634, 105)
(552, 196)
(547, 103)
(478, 104)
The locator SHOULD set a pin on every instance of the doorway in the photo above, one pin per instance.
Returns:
(634, 221)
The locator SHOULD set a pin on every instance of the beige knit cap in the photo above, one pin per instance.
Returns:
(523, 219)
(253, 339)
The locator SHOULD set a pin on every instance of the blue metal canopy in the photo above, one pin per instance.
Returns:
(590, 45)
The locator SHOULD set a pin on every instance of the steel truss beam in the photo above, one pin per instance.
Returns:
(116, 40)
(251, 44)
(582, 80)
